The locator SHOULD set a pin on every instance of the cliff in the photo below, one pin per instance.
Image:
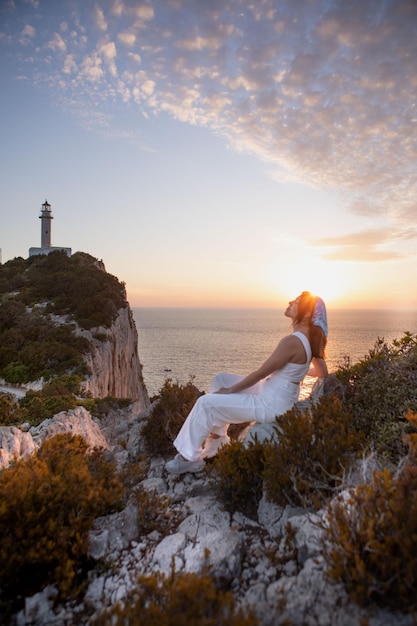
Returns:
(64, 315)
(114, 361)
(60, 317)
(116, 371)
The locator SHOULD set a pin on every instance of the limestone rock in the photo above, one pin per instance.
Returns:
(14, 444)
(78, 421)
(114, 361)
(114, 532)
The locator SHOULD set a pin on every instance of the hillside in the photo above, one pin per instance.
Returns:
(66, 332)
(32, 292)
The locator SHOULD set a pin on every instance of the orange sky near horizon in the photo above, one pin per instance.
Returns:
(225, 154)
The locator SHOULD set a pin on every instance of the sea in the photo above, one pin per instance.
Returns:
(185, 344)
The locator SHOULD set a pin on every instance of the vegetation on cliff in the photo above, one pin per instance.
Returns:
(41, 301)
(32, 292)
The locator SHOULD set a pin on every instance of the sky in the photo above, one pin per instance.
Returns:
(219, 153)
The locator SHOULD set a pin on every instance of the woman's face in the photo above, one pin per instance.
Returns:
(292, 308)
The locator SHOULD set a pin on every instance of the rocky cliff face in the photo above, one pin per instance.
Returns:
(114, 361)
(116, 371)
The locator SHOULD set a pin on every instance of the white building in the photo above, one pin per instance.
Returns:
(46, 231)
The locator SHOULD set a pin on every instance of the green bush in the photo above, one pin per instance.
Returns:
(370, 541)
(15, 373)
(378, 392)
(76, 285)
(33, 347)
(11, 274)
(305, 463)
(47, 506)
(174, 403)
(56, 396)
(177, 600)
(236, 475)
(102, 407)
(10, 412)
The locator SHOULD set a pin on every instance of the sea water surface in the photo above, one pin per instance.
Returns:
(180, 343)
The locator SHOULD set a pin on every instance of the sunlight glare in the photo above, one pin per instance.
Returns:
(331, 281)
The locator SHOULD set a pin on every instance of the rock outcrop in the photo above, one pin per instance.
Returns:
(16, 443)
(78, 421)
(114, 361)
(272, 564)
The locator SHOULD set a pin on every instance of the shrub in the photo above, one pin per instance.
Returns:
(378, 392)
(152, 508)
(57, 395)
(102, 407)
(47, 505)
(236, 474)
(174, 403)
(411, 438)
(305, 464)
(32, 346)
(370, 541)
(152, 511)
(10, 412)
(15, 373)
(177, 600)
(76, 285)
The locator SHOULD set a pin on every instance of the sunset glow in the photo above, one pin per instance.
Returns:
(212, 154)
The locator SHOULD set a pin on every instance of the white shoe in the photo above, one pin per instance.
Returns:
(213, 444)
(178, 465)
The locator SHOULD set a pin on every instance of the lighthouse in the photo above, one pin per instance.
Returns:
(46, 217)
(46, 232)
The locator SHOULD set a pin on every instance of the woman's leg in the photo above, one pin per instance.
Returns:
(223, 379)
(212, 413)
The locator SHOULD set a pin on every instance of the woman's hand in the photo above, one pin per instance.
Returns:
(224, 390)
(318, 369)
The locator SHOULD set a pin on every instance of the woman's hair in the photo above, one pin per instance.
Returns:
(318, 340)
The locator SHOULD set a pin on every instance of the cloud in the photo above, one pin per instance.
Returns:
(108, 51)
(323, 92)
(367, 245)
(99, 18)
(128, 39)
(27, 34)
(57, 44)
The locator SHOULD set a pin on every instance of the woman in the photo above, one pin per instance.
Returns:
(269, 391)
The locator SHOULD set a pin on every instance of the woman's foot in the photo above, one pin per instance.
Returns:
(213, 444)
(179, 465)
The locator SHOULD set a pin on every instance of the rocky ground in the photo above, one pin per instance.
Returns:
(268, 563)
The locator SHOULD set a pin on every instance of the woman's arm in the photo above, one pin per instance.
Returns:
(319, 368)
(287, 349)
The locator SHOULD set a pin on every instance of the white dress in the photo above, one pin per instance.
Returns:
(212, 413)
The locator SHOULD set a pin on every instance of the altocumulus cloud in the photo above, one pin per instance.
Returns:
(323, 91)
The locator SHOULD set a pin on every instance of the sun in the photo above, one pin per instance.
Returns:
(330, 280)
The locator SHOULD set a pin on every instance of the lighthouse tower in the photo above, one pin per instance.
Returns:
(46, 231)
(46, 217)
